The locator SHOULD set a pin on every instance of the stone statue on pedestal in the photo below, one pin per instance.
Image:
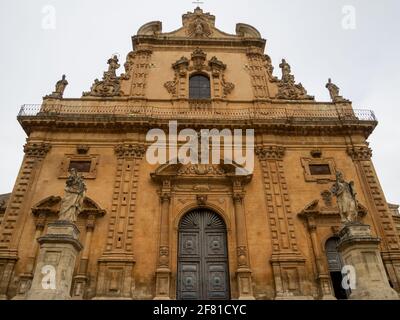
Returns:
(60, 88)
(113, 65)
(334, 92)
(346, 198)
(286, 71)
(72, 203)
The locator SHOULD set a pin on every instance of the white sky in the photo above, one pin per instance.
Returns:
(363, 62)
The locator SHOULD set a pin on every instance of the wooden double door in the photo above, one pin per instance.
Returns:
(202, 257)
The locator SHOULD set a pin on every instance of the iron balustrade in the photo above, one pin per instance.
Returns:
(271, 114)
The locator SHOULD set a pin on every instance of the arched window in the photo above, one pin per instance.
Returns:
(199, 87)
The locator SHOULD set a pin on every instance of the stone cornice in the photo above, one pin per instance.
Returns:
(120, 124)
(210, 42)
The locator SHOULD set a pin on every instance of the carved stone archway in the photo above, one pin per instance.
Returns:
(201, 185)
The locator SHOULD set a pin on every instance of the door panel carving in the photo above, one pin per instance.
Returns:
(202, 257)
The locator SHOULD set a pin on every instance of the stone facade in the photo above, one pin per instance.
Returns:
(277, 218)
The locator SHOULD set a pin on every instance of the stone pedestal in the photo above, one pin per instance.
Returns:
(245, 284)
(54, 271)
(360, 250)
(163, 279)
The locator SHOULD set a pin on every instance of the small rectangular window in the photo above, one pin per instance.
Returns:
(320, 169)
(80, 166)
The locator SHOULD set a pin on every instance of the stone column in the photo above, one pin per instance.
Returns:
(15, 215)
(56, 262)
(243, 272)
(81, 279)
(163, 273)
(118, 259)
(360, 250)
(325, 287)
(288, 263)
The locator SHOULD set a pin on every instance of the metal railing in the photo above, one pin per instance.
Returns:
(271, 114)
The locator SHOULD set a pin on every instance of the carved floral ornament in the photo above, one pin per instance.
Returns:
(184, 67)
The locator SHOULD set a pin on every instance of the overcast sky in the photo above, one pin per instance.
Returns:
(318, 38)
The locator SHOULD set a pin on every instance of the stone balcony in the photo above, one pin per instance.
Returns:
(282, 115)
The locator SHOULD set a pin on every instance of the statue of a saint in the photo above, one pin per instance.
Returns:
(286, 71)
(72, 203)
(346, 198)
(60, 88)
(113, 65)
(334, 92)
(199, 29)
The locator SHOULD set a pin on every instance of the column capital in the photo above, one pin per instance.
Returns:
(361, 153)
(37, 150)
(238, 196)
(90, 222)
(41, 221)
(130, 151)
(242, 256)
(165, 196)
(163, 258)
(271, 152)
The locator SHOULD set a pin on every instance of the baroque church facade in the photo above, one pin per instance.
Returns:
(195, 230)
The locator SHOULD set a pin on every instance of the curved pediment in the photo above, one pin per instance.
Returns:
(173, 169)
(247, 31)
(198, 25)
(320, 210)
(150, 29)
(51, 206)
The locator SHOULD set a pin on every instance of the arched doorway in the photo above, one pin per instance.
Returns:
(202, 257)
(335, 266)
